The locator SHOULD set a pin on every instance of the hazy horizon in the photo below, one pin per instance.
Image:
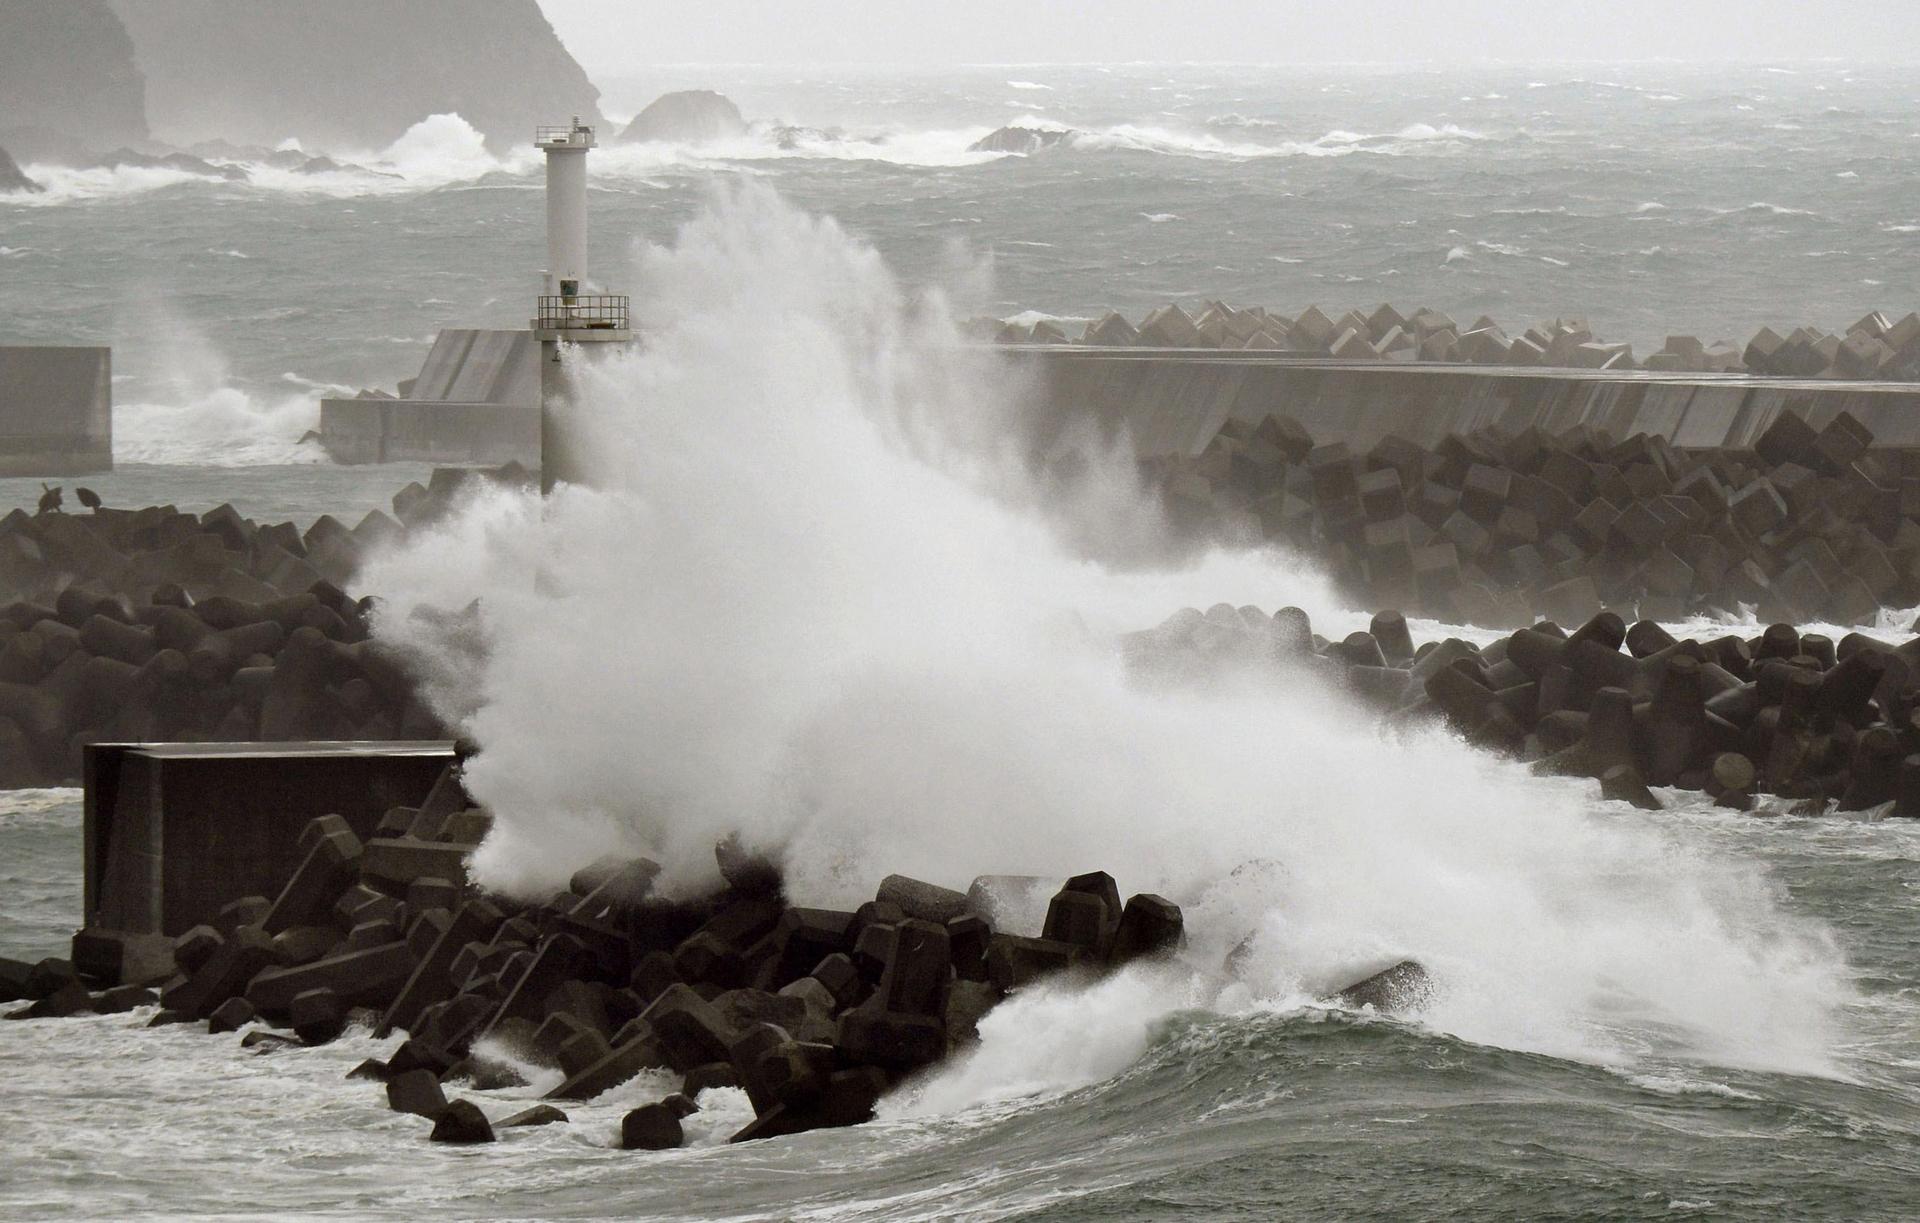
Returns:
(612, 37)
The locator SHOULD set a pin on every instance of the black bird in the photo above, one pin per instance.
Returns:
(50, 499)
(88, 498)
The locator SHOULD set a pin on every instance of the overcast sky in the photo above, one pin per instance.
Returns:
(612, 36)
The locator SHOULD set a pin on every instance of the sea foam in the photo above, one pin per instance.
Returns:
(813, 593)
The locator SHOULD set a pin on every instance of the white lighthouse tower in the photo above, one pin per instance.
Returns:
(571, 324)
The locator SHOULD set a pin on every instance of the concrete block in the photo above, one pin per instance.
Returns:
(367, 977)
(399, 861)
(894, 1041)
(1013, 961)
(651, 1127)
(925, 901)
(1789, 439)
(689, 1030)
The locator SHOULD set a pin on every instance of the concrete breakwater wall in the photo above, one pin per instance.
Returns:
(1173, 401)
(476, 400)
(56, 410)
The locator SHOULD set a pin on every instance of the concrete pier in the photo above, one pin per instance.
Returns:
(175, 830)
(56, 410)
(475, 401)
(1172, 400)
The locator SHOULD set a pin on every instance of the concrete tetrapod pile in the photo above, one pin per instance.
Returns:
(1498, 529)
(1876, 347)
(1832, 725)
(154, 625)
(813, 1012)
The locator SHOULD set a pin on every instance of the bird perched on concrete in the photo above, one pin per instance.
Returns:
(50, 498)
(88, 498)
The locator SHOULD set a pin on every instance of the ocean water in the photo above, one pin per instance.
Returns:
(1649, 198)
(812, 599)
(1264, 1111)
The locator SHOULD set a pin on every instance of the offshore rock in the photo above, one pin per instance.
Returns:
(687, 116)
(13, 178)
(1021, 140)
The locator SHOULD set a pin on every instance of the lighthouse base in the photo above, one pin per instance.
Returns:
(562, 459)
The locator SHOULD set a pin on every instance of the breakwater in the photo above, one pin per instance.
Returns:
(153, 625)
(1175, 401)
(815, 1013)
(56, 407)
(1830, 725)
(1877, 346)
(1500, 528)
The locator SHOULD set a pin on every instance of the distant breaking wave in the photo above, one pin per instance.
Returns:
(444, 151)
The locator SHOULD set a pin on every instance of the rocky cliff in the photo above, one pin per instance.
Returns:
(351, 74)
(11, 177)
(68, 83)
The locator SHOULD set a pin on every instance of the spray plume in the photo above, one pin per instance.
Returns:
(815, 597)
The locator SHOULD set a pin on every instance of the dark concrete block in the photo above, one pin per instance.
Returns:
(651, 1127)
(417, 1092)
(399, 861)
(123, 998)
(70, 998)
(919, 967)
(1149, 925)
(1398, 987)
(560, 958)
(539, 1114)
(118, 957)
(1080, 920)
(303, 945)
(925, 901)
(368, 977)
(230, 1016)
(690, 1031)
(431, 979)
(899, 1042)
(327, 871)
(461, 1122)
(626, 1058)
(1484, 493)
(224, 974)
(1013, 961)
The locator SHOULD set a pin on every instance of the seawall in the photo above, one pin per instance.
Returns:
(56, 410)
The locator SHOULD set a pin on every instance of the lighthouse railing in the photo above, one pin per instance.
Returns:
(595, 311)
